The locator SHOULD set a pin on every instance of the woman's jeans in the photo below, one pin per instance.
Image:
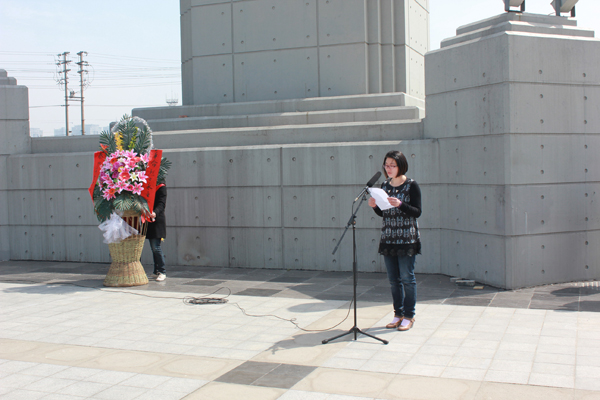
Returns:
(159, 257)
(401, 274)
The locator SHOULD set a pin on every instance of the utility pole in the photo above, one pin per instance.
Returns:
(64, 63)
(81, 64)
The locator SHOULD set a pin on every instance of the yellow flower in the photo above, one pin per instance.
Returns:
(119, 140)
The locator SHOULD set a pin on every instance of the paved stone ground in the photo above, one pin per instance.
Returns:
(64, 336)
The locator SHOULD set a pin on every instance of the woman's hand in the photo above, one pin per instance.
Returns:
(152, 216)
(372, 202)
(394, 201)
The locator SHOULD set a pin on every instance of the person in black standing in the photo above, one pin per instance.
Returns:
(157, 231)
(400, 238)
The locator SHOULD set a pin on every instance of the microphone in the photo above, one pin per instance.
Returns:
(369, 184)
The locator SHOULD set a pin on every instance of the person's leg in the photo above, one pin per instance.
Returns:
(157, 254)
(409, 283)
(393, 273)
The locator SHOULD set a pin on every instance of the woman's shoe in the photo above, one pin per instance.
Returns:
(395, 323)
(406, 324)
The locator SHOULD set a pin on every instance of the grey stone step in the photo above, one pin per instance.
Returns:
(510, 22)
(289, 118)
(281, 106)
(347, 132)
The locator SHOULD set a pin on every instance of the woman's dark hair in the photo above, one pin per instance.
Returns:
(401, 162)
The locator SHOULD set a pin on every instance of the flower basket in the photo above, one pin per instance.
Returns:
(126, 174)
(126, 268)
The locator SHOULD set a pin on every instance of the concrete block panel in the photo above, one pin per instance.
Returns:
(187, 91)
(14, 102)
(415, 73)
(544, 259)
(374, 17)
(543, 209)
(342, 21)
(401, 69)
(474, 208)
(85, 244)
(279, 74)
(324, 207)
(551, 108)
(283, 25)
(350, 58)
(14, 136)
(446, 69)
(4, 176)
(186, 36)
(535, 59)
(474, 256)
(312, 249)
(255, 247)
(50, 171)
(388, 68)
(220, 167)
(201, 246)
(401, 24)
(431, 212)
(473, 112)
(428, 262)
(333, 165)
(197, 207)
(5, 253)
(474, 160)
(254, 207)
(548, 159)
(211, 30)
(386, 22)
(218, 86)
(374, 67)
(418, 27)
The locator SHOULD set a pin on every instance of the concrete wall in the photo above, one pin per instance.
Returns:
(14, 139)
(303, 48)
(518, 129)
(255, 207)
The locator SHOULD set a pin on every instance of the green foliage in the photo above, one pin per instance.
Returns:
(108, 143)
(144, 141)
(164, 168)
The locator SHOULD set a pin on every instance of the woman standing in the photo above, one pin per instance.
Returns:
(400, 239)
(157, 231)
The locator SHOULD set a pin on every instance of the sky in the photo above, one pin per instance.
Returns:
(134, 55)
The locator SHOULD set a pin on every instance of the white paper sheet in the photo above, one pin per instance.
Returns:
(381, 197)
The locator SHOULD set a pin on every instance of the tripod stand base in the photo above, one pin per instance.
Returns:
(354, 330)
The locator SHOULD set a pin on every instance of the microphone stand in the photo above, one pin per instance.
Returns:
(352, 221)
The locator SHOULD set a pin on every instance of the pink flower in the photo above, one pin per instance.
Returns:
(137, 188)
(122, 186)
(141, 176)
(145, 158)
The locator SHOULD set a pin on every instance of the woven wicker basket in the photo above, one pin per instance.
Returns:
(126, 268)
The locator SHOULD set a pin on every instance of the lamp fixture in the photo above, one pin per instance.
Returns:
(514, 3)
(563, 6)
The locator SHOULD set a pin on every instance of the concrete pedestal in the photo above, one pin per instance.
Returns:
(515, 104)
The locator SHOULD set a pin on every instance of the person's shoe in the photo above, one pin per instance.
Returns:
(161, 277)
(395, 323)
(406, 324)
